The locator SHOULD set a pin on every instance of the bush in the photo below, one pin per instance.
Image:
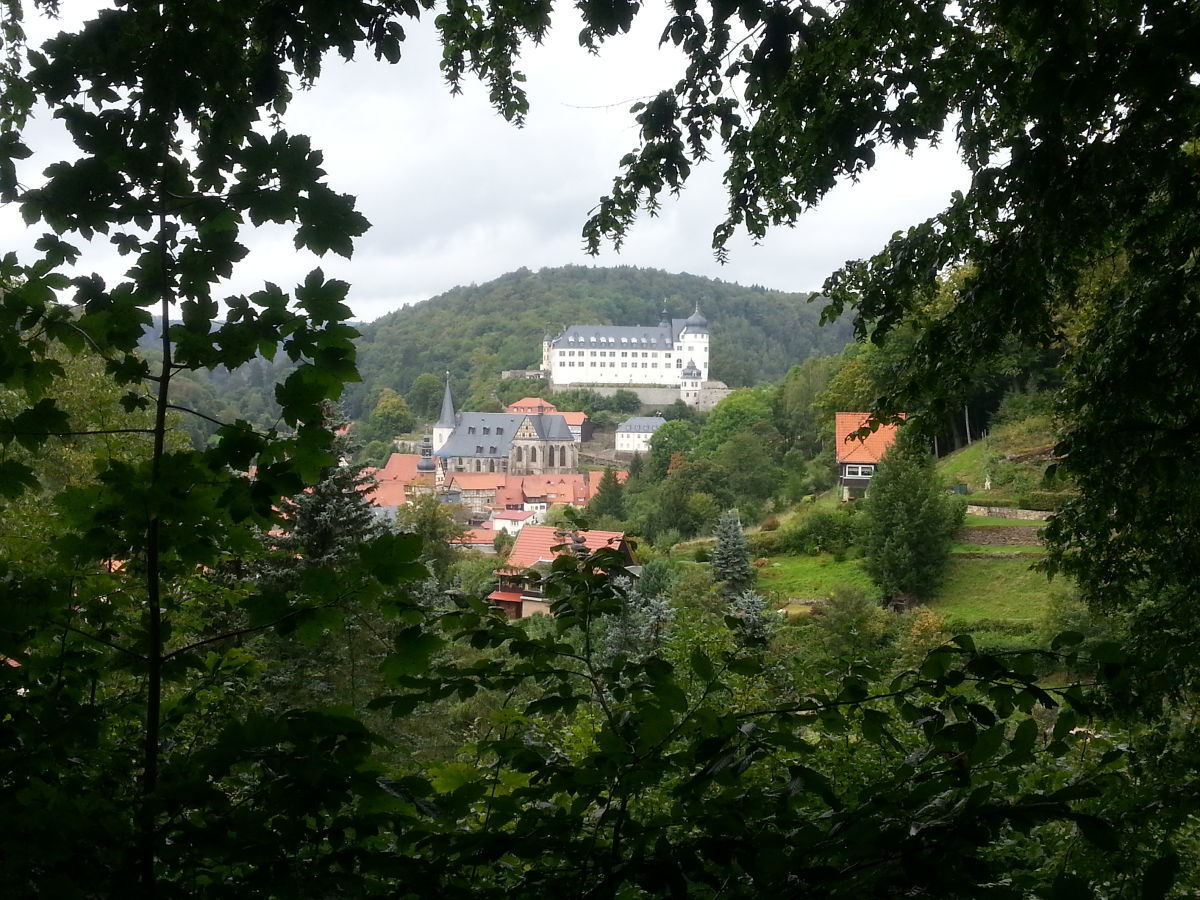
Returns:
(764, 543)
(1044, 501)
(821, 531)
(771, 523)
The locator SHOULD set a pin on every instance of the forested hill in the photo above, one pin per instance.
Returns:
(476, 331)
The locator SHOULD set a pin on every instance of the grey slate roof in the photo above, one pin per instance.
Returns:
(446, 420)
(637, 337)
(642, 424)
(493, 432)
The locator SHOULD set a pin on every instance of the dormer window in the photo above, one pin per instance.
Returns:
(499, 430)
(470, 429)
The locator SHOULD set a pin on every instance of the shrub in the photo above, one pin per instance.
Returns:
(1045, 501)
(821, 531)
(771, 523)
(764, 543)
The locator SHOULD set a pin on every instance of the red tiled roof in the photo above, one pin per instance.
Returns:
(534, 542)
(867, 450)
(478, 481)
(389, 493)
(508, 596)
(477, 536)
(574, 418)
(514, 515)
(399, 467)
(531, 404)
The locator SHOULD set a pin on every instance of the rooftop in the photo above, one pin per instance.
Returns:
(534, 542)
(861, 450)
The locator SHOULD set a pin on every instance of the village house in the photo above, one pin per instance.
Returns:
(633, 435)
(857, 458)
(517, 592)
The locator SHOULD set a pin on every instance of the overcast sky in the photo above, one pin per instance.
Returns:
(458, 196)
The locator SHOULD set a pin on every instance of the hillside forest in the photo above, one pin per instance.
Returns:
(224, 674)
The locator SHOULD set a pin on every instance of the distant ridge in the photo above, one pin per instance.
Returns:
(479, 330)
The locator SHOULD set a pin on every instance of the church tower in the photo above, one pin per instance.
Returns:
(446, 422)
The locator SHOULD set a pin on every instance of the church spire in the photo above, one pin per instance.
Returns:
(447, 417)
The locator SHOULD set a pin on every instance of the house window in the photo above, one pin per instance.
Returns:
(478, 449)
(859, 471)
(623, 365)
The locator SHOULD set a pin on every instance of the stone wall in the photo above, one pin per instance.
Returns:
(1003, 512)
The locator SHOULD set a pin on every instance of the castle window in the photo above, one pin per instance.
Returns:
(679, 363)
(623, 365)
(624, 354)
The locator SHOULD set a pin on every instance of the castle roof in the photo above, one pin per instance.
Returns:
(612, 337)
(690, 370)
(696, 321)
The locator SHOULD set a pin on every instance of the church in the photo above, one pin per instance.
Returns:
(513, 443)
(671, 354)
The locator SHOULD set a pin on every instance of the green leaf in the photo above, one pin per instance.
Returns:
(1098, 831)
(414, 647)
(1160, 876)
(394, 558)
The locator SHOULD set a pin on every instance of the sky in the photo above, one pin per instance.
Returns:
(457, 196)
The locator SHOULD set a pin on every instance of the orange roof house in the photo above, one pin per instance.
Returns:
(532, 405)
(516, 594)
(857, 457)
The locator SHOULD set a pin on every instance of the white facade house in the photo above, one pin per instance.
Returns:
(629, 355)
(633, 435)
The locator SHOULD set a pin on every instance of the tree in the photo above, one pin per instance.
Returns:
(425, 397)
(1079, 128)
(437, 525)
(390, 417)
(667, 441)
(910, 523)
(624, 401)
(609, 499)
(731, 567)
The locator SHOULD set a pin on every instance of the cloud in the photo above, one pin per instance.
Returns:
(456, 195)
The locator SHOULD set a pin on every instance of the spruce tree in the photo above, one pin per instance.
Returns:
(610, 497)
(910, 524)
(731, 567)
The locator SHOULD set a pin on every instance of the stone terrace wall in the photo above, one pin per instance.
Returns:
(1003, 512)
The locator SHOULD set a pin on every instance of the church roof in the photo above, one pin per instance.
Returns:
(613, 337)
(446, 419)
(642, 424)
(489, 435)
(550, 427)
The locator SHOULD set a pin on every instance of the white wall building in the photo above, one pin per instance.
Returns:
(633, 435)
(630, 355)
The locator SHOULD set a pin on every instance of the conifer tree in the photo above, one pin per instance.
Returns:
(731, 557)
(610, 497)
(910, 524)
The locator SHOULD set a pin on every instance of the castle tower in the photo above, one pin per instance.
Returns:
(446, 421)
(693, 340)
(689, 384)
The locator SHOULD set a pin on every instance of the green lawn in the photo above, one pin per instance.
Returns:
(809, 577)
(992, 590)
(999, 549)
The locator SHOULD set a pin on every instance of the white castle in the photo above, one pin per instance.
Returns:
(671, 354)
